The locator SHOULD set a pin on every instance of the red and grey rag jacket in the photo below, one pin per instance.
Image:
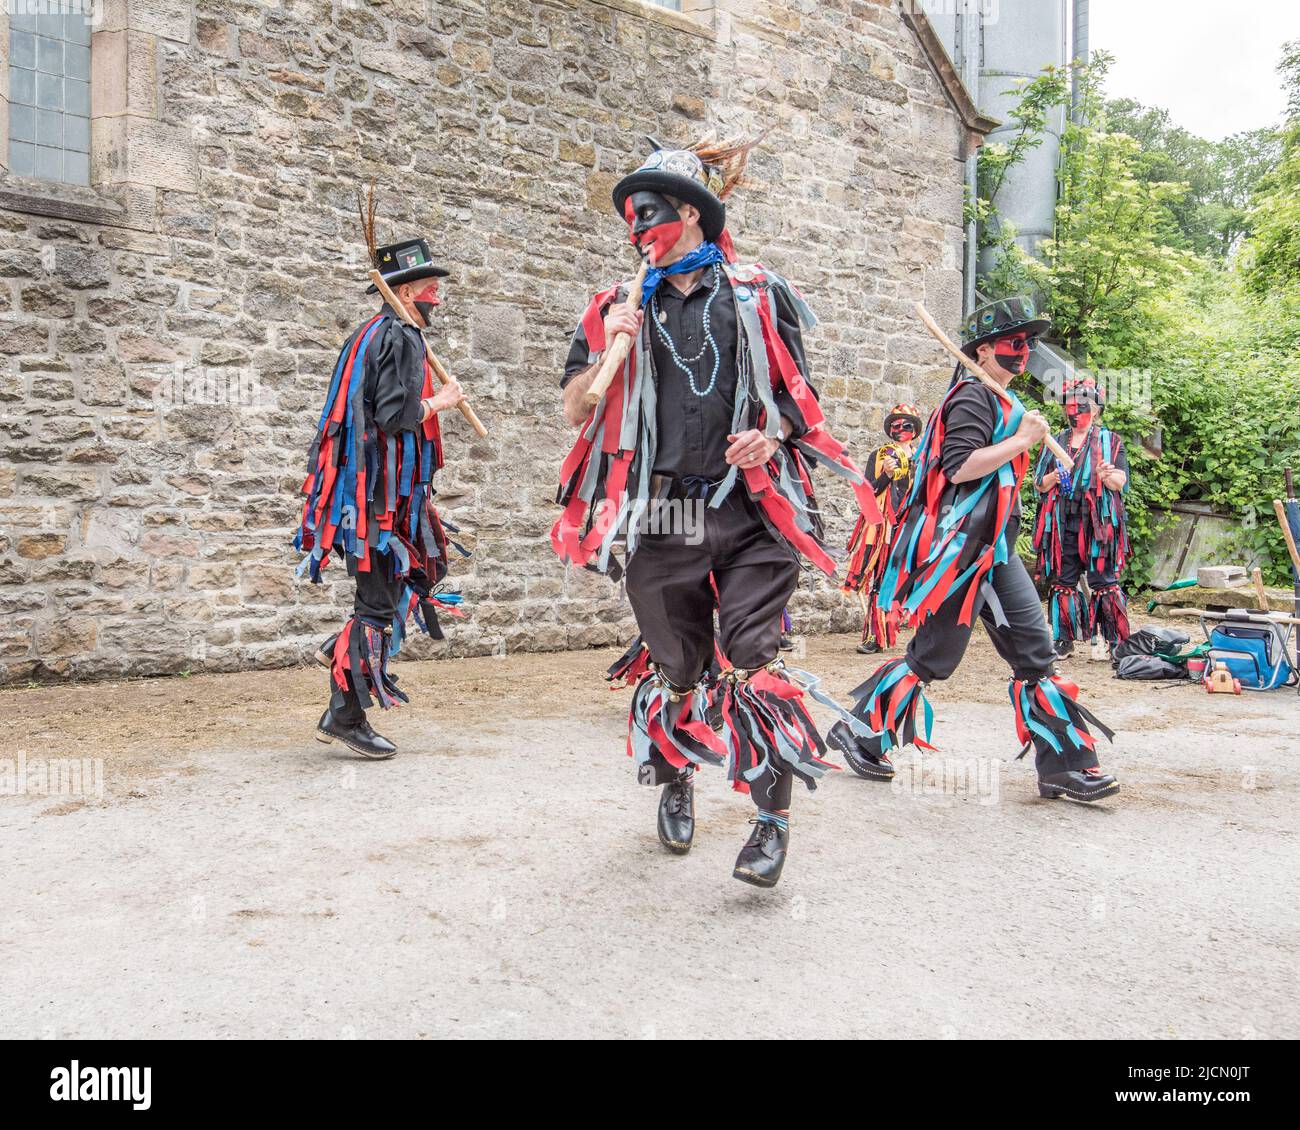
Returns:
(605, 481)
(371, 464)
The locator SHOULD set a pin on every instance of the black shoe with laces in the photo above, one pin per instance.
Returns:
(1064, 648)
(864, 757)
(359, 738)
(868, 647)
(761, 859)
(677, 814)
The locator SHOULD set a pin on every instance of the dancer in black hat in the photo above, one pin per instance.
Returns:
(713, 411)
(953, 557)
(370, 494)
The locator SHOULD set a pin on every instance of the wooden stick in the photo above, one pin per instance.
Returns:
(978, 370)
(438, 371)
(1280, 510)
(618, 348)
(1272, 617)
(1260, 594)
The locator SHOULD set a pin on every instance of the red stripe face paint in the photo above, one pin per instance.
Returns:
(426, 300)
(654, 224)
(1079, 415)
(429, 294)
(1012, 353)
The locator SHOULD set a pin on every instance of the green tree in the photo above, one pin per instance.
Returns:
(1212, 214)
(1272, 259)
(1138, 197)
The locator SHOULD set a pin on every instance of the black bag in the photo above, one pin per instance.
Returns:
(1165, 642)
(1148, 667)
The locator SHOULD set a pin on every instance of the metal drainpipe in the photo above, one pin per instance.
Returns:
(1080, 51)
(970, 44)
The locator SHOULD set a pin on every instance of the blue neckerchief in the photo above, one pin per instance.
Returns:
(703, 256)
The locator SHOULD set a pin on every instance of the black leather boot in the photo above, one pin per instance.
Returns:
(359, 738)
(1064, 648)
(761, 859)
(677, 814)
(868, 647)
(865, 758)
(1085, 785)
(324, 655)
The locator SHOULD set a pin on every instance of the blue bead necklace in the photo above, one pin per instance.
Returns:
(684, 364)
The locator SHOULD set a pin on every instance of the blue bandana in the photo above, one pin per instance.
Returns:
(703, 256)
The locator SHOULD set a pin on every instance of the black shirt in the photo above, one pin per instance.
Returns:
(969, 419)
(394, 375)
(693, 429)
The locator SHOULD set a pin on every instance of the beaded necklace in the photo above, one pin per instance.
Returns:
(684, 364)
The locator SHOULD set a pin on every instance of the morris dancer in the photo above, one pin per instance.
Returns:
(889, 470)
(370, 495)
(953, 557)
(1081, 523)
(713, 409)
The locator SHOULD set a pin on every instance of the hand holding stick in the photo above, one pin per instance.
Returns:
(618, 349)
(388, 296)
(974, 367)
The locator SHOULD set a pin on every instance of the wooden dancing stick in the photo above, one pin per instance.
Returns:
(434, 364)
(618, 348)
(1280, 510)
(1258, 578)
(978, 370)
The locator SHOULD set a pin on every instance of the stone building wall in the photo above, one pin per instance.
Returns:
(166, 336)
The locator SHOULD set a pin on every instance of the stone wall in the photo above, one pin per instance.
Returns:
(163, 359)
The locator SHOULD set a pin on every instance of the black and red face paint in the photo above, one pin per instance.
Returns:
(902, 431)
(1012, 352)
(425, 300)
(654, 224)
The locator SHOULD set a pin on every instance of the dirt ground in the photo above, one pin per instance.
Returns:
(501, 876)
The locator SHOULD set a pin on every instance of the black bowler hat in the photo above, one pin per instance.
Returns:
(1000, 318)
(681, 174)
(405, 262)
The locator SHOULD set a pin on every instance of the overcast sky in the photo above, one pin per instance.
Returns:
(1211, 64)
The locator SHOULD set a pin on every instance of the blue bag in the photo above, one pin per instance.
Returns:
(1254, 651)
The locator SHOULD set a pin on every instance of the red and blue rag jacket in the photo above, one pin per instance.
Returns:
(371, 465)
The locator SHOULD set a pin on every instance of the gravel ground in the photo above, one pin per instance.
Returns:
(501, 876)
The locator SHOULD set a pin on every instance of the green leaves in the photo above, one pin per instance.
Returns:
(1140, 274)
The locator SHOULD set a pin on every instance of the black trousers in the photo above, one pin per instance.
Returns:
(375, 600)
(1024, 641)
(1072, 566)
(668, 584)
